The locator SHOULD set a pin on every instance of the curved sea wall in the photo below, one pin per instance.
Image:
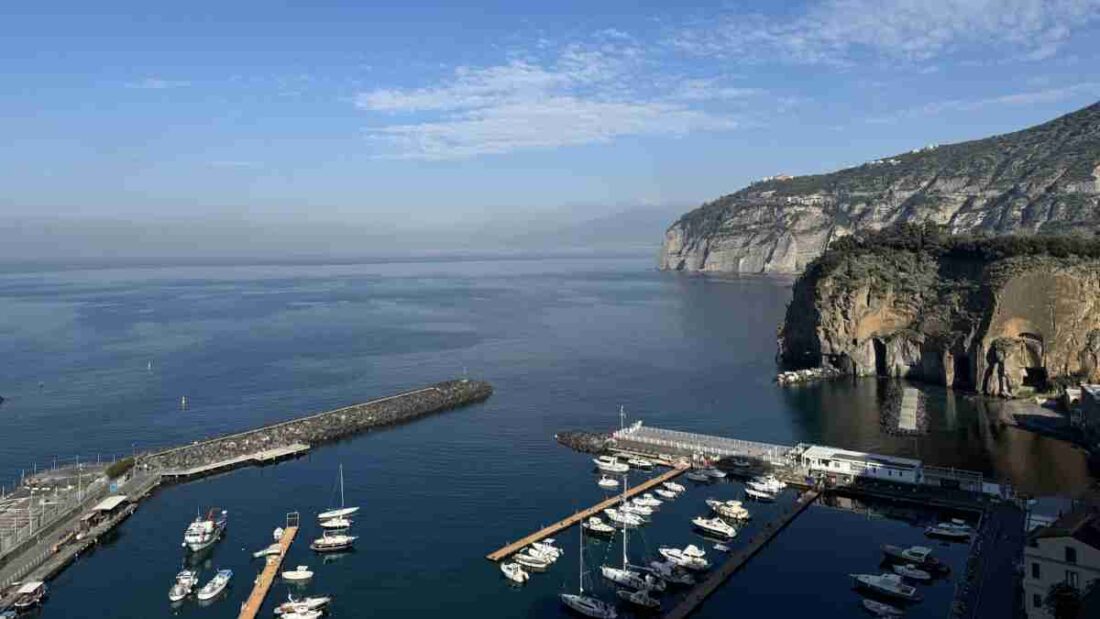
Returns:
(328, 426)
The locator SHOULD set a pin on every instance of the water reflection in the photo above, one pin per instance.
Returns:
(963, 432)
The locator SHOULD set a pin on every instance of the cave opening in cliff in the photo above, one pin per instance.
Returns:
(961, 378)
(880, 357)
(1035, 377)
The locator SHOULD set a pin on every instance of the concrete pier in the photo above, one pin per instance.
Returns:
(251, 607)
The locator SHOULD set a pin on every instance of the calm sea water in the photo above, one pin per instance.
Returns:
(565, 342)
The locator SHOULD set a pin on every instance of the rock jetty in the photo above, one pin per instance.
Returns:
(328, 426)
(584, 442)
(794, 377)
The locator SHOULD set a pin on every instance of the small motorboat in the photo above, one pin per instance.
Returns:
(648, 500)
(697, 476)
(666, 494)
(216, 585)
(640, 463)
(595, 525)
(721, 547)
(609, 483)
(881, 609)
(636, 509)
(767, 483)
(336, 524)
(733, 510)
(622, 518)
(541, 553)
(691, 558)
(184, 585)
(673, 486)
(29, 595)
(715, 526)
(714, 473)
(956, 530)
(271, 550)
(741, 463)
(298, 574)
(547, 548)
(588, 606)
(639, 598)
(303, 614)
(912, 572)
(671, 573)
(277, 534)
(921, 556)
(759, 495)
(332, 542)
(888, 585)
(610, 464)
(293, 606)
(514, 572)
(623, 576)
(532, 562)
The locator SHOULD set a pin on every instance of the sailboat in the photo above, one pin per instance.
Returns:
(585, 604)
(342, 512)
(624, 575)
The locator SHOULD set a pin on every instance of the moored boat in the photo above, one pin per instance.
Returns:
(271, 550)
(336, 524)
(586, 605)
(595, 525)
(881, 609)
(665, 493)
(639, 598)
(715, 526)
(300, 606)
(917, 555)
(338, 512)
(759, 495)
(216, 585)
(29, 595)
(671, 573)
(205, 531)
(673, 486)
(332, 542)
(691, 557)
(623, 576)
(697, 476)
(514, 572)
(912, 572)
(714, 473)
(954, 530)
(733, 510)
(184, 584)
(621, 518)
(640, 463)
(609, 483)
(648, 500)
(887, 584)
(298, 574)
(532, 562)
(610, 464)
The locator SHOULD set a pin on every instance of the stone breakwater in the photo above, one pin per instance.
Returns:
(584, 442)
(326, 427)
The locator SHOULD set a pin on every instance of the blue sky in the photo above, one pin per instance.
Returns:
(408, 115)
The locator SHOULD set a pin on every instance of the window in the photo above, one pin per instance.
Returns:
(1035, 569)
(1037, 600)
(1071, 554)
(1071, 578)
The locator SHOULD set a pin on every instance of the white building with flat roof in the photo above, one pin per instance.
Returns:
(832, 461)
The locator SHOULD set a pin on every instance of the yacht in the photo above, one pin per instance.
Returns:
(585, 604)
(713, 473)
(621, 518)
(880, 609)
(185, 583)
(666, 494)
(733, 510)
(332, 542)
(887, 584)
(639, 598)
(697, 476)
(298, 574)
(216, 585)
(637, 510)
(912, 572)
(547, 547)
(336, 524)
(270, 551)
(715, 526)
(514, 573)
(640, 463)
(204, 531)
(675, 487)
(532, 562)
(338, 512)
(921, 556)
(623, 576)
(954, 530)
(691, 558)
(609, 483)
(610, 464)
(759, 495)
(29, 595)
(648, 500)
(303, 605)
(670, 572)
(595, 525)
(543, 555)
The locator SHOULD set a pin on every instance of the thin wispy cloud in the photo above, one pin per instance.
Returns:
(840, 32)
(156, 83)
(1022, 98)
(582, 95)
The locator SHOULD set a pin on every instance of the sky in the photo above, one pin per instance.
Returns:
(342, 127)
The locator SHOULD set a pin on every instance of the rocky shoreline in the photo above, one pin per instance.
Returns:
(584, 442)
(327, 426)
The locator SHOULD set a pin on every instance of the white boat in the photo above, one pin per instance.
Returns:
(954, 530)
(715, 526)
(270, 551)
(648, 500)
(547, 548)
(610, 464)
(665, 493)
(29, 595)
(741, 463)
(713, 473)
(300, 606)
(637, 510)
(759, 495)
(514, 573)
(670, 572)
(698, 476)
(205, 531)
(921, 556)
(336, 524)
(342, 511)
(639, 598)
(277, 534)
(691, 558)
(675, 487)
(912, 572)
(585, 604)
(623, 576)
(721, 548)
(332, 542)
(881, 609)
(532, 562)
(541, 554)
(622, 518)
(767, 482)
(298, 574)
(887, 584)
(595, 525)
(654, 582)
(608, 482)
(185, 583)
(733, 510)
(640, 463)
(216, 585)
(303, 614)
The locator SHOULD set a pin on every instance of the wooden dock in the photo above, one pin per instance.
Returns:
(739, 558)
(580, 516)
(251, 606)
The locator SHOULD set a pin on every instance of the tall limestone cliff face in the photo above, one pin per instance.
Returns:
(1045, 179)
(952, 317)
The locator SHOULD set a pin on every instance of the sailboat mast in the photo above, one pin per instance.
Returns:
(580, 551)
(341, 486)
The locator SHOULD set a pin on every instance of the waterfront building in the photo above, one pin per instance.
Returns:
(1067, 551)
(848, 465)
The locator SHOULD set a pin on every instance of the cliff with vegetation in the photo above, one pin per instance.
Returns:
(1002, 315)
(1042, 180)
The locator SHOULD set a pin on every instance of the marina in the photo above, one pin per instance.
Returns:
(251, 606)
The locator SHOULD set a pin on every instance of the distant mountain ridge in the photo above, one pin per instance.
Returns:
(1044, 179)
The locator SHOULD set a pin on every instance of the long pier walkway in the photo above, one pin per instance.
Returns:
(251, 606)
(739, 558)
(580, 516)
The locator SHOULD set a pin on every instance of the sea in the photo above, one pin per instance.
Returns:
(95, 362)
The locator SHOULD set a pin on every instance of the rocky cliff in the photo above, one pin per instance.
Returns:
(995, 315)
(1045, 179)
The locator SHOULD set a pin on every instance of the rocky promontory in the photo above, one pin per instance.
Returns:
(1041, 180)
(999, 315)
